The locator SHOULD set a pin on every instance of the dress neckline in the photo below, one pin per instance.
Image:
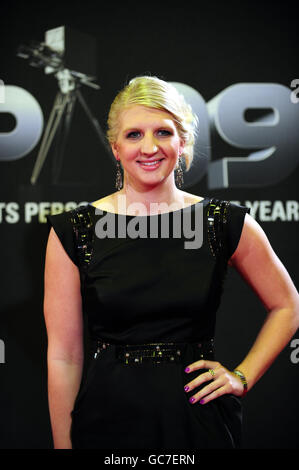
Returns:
(150, 215)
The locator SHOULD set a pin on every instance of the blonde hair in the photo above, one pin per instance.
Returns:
(156, 93)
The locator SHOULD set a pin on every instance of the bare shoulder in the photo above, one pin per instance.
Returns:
(253, 241)
(191, 198)
(106, 203)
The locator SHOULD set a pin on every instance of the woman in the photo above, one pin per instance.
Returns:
(153, 380)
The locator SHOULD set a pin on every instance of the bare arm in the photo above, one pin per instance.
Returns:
(63, 317)
(257, 263)
(260, 267)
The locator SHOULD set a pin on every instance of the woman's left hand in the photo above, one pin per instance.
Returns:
(223, 382)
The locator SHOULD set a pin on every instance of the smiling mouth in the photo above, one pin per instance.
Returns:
(150, 164)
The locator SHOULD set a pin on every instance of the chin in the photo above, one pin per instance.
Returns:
(154, 181)
(149, 180)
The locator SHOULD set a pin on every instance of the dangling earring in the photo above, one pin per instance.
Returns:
(118, 181)
(179, 174)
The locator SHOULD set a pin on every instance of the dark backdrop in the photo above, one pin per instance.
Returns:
(208, 46)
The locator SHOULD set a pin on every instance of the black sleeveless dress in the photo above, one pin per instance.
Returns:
(140, 285)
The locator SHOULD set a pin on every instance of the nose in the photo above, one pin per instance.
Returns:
(149, 145)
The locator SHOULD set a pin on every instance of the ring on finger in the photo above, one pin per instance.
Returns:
(212, 372)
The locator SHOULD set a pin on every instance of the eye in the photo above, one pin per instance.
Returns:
(133, 135)
(164, 132)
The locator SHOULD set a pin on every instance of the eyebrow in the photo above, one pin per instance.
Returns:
(135, 128)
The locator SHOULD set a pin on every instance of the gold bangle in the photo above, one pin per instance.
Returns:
(243, 380)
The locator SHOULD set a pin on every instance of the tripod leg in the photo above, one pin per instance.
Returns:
(54, 119)
(64, 130)
(55, 108)
(95, 124)
(57, 121)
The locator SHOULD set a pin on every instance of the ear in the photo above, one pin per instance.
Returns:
(115, 150)
(182, 146)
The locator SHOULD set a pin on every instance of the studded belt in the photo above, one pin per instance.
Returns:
(155, 353)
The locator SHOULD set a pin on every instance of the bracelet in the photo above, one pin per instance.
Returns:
(243, 380)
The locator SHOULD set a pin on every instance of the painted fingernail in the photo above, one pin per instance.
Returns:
(186, 388)
(187, 369)
(192, 400)
(201, 401)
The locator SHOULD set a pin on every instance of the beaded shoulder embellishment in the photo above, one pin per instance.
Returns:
(217, 219)
(84, 234)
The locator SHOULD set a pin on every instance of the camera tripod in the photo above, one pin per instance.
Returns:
(61, 115)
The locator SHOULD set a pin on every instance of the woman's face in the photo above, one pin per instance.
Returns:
(148, 145)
